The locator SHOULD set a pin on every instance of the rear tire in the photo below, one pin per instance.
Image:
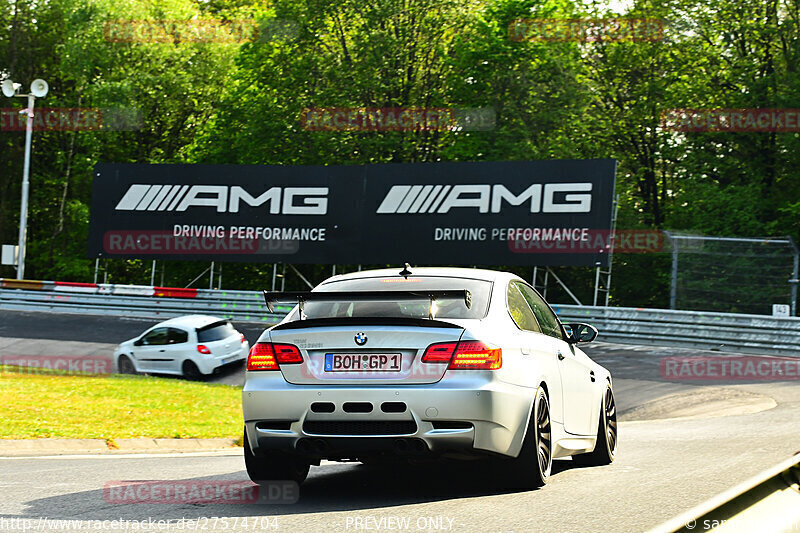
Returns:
(531, 468)
(605, 447)
(125, 366)
(190, 371)
(276, 466)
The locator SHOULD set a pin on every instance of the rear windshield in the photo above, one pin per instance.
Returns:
(216, 332)
(445, 308)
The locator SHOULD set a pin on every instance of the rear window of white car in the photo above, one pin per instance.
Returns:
(216, 332)
(445, 308)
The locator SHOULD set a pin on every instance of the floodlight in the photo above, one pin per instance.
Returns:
(39, 88)
(10, 88)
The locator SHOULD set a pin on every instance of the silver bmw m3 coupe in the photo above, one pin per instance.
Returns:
(424, 363)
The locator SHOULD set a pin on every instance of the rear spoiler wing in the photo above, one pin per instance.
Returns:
(300, 298)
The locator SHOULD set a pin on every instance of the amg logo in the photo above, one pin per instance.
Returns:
(577, 198)
(282, 200)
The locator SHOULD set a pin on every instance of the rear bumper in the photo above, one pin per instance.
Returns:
(207, 364)
(465, 412)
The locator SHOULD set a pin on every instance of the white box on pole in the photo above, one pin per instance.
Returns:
(10, 254)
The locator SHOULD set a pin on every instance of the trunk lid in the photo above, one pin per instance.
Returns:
(224, 347)
(385, 351)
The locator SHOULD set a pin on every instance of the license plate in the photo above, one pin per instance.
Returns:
(358, 362)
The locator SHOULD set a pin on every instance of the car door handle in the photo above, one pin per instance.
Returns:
(591, 375)
(162, 350)
(560, 356)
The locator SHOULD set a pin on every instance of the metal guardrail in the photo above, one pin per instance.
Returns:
(769, 501)
(693, 329)
(243, 306)
(727, 332)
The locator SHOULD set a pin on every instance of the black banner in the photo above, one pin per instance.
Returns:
(495, 213)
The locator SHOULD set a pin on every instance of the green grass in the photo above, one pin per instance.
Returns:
(50, 405)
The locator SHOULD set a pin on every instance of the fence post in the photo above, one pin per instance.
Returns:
(596, 285)
(673, 285)
(794, 281)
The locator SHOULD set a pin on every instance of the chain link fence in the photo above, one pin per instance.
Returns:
(732, 274)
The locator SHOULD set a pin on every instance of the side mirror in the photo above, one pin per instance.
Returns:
(581, 333)
(138, 342)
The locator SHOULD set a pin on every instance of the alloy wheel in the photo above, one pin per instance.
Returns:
(544, 434)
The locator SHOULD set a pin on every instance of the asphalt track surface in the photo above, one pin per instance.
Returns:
(680, 444)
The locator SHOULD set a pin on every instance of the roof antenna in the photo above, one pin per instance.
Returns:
(406, 271)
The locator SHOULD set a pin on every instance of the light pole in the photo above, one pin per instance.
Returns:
(39, 89)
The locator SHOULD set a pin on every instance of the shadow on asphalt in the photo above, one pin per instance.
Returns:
(331, 488)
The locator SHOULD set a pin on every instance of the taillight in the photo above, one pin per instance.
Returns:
(267, 356)
(464, 355)
(440, 352)
(242, 337)
(475, 355)
(203, 349)
(287, 354)
(261, 357)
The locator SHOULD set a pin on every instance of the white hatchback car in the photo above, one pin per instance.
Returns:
(191, 346)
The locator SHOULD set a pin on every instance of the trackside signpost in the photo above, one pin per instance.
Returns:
(446, 213)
